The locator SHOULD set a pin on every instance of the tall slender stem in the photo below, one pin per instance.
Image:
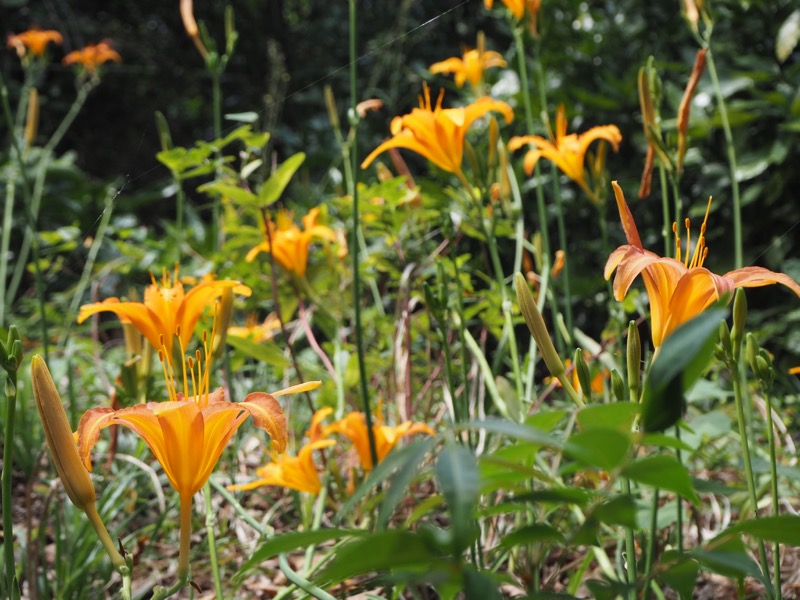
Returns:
(731, 150)
(748, 468)
(773, 472)
(216, 92)
(662, 175)
(8, 450)
(211, 521)
(362, 367)
(8, 210)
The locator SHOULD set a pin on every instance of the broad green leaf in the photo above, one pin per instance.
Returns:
(602, 448)
(400, 480)
(681, 360)
(273, 187)
(546, 420)
(576, 496)
(265, 352)
(457, 474)
(682, 577)
(529, 534)
(234, 192)
(729, 558)
(293, 541)
(380, 551)
(617, 415)
(783, 529)
(394, 460)
(517, 431)
(663, 440)
(663, 472)
(617, 511)
(478, 586)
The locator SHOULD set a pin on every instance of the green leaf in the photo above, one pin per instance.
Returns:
(529, 534)
(395, 460)
(234, 192)
(783, 529)
(664, 441)
(293, 541)
(617, 415)
(729, 558)
(265, 352)
(380, 551)
(602, 448)
(273, 187)
(457, 474)
(681, 360)
(517, 431)
(681, 577)
(401, 479)
(617, 511)
(478, 586)
(576, 496)
(663, 472)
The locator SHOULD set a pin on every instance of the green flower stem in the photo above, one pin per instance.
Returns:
(506, 304)
(677, 202)
(773, 472)
(159, 592)
(8, 210)
(97, 242)
(748, 468)
(562, 240)
(301, 582)
(679, 499)
(631, 572)
(668, 247)
(316, 522)
(731, 150)
(541, 207)
(362, 366)
(651, 544)
(216, 96)
(211, 522)
(8, 450)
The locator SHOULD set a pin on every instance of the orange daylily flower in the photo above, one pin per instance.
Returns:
(166, 308)
(92, 56)
(257, 332)
(34, 41)
(316, 431)
(470, 66)
(188, 433)
(517, 8)
(354, 426)
(290, 243)
(438, 133)
(678, 290)
(294, 472)
(568, 152)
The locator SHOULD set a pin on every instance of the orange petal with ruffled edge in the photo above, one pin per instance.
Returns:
(267, 415)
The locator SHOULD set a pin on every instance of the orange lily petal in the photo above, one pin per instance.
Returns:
(267, 415)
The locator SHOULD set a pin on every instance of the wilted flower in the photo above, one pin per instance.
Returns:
(678, 289)
(438, 133)
(92, 56)
(289, 244)
(34, 41)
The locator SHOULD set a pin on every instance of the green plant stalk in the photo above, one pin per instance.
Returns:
(562, 240)
(8, 209)
(506, 305)
(748, 468)
(677, 202)
(662, 176)
(216, 96)
(631, 572)
(651, 545)
(461, 326)
(89, 265)
(731, 151)
(359, 333)
(180, 200)
(211, 521)
(679, 499)
(544, 284)
(773, 473)
(159, 592)
(8, 451)
(316, 521)
(28, 215)
(300, 581)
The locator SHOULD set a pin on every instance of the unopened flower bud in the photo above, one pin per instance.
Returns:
(584, 376)
(725, 338)
(617, 386)
(58, 434)
(634, 360)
